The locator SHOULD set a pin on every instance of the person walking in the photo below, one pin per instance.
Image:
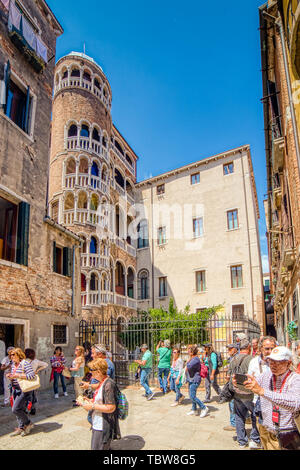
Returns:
(77, 371)
(211, 362)
(232, 352)
(6, 364)
(146, 367)
(99, 351)
(37, 366)
(279, 392)
(193, 370)
(103, 406)
(21, 369)
(58, 362)
(175, 377)
(243, 398)
(164, 364)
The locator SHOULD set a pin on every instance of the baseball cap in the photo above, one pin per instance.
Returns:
(281, 353)
(232, 345)
(100, 348)
(241, 336)
(144, 346)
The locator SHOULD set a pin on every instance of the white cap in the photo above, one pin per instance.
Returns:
(281, 353)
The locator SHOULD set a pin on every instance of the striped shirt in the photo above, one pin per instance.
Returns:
(23, 368)
(57, 361)
(288, 400)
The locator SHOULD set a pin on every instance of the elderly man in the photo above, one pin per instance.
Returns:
(99, 351)
(255, 347)
(146, 366)
(279, 391)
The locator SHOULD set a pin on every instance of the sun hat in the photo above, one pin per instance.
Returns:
(281, 353)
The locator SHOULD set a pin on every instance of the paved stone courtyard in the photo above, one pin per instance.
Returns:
(153, 425)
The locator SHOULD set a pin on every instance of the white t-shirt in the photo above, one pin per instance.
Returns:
(257, 367)
(36, 364)
(97, 415)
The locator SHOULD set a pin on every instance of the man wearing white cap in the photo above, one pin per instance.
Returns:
(279, 391)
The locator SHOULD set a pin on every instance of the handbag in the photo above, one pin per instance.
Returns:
(27, 385)
(66, 373)
(203, 371)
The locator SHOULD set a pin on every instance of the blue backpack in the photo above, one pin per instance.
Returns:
(123, 405)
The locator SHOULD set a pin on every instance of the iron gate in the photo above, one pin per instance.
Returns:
(123, 338)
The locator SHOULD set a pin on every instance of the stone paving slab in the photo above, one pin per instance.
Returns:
(151, 425)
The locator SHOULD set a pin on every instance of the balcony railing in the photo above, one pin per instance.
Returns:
(123, 159)
(105, 297)
(84, 143)
(78, 82)
(94, 261)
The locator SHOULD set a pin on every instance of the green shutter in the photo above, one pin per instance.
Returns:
(54, 257)
(23, 234)
(67, 261)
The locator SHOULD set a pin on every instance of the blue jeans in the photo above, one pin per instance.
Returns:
(56, 380)
(175, 388)
(163, 382)
(232, 415)
(193, 387)
(144, 380)
(241, 409)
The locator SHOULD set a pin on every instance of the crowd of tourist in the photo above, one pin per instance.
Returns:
(262, 387)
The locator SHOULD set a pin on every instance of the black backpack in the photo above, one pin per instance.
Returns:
(219, 360)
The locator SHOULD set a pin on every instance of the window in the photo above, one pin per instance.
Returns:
(200, 281)
(59, 333)
(14, 231)
(198, 227)
(143, 285)
(237, 312)
(228, 168)
(143, 238)
(62, 260)
(295, 306)
(162, 287)
(236, 276)
(161, 236)
(18, 102)
(195, 178)
(160, 189)
(232, 220)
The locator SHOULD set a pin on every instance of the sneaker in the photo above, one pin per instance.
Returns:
(181, 399)
(192, 412)
(204, 412)
(16, 432)
(229, 428)
(255, 445)
(243, 446)
(32, 411)
(207, 400)
(175, 404)
(27, 429)
(150, 396)
(66, 394)
(56, 395)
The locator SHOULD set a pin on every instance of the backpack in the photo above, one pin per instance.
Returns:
(123, 406)
(203, 371)
(219, 360)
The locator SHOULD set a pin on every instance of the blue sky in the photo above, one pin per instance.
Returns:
(185, 77)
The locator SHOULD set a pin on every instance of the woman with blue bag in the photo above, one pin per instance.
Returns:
(175, 376)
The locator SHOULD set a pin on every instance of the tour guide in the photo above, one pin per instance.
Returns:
(146, 367)
(279, 389)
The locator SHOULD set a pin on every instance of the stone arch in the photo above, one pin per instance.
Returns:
(70, 165)
(82, 200)
(69, 201)
(83, 164)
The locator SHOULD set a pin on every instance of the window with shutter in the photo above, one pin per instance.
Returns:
(23, 233)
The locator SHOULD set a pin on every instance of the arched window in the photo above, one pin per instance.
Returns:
(82, 200)
(119, 178)
(72, 132)
(69, 202)
(83, 283)
(120, 279)
(84, 244)
(94, 202)
(84, 132)
(95, 169)
(104, 141)
(83, 165)
(130, 283)
(129, 160)
(118, 146)
(65, 74)
(94, 282)
(71, 166)
(87, 76)
(143, 285)
(97, 84)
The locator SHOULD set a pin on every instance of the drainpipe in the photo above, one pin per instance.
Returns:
(278, 22)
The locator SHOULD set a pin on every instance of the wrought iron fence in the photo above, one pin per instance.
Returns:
(123, 338)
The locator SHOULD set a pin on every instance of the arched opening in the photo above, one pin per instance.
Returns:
(97, 84)
(104, 283)
(86, 76)
(65, 74)
(94, 202)
(104, 141)
(83, 282)
(129, 221)
(96, 135)
(55, 210)
(95, 169)
(82, 200)
(93, 246)
(120, 228)
(72, 132)
(71, 166)
(83, 165)
(94, 283)
(83, 245)
(120, 279)
(84, 131)
(118, 146)
(119, 178)
(111, 267)
(75, 72)
(129, 160)
(130, 283)
(69, 202)
(104, 174)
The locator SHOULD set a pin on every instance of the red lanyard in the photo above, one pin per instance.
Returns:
(282, 385)
(97, 389)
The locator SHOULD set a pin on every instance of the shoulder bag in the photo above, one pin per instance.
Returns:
(29, 385)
